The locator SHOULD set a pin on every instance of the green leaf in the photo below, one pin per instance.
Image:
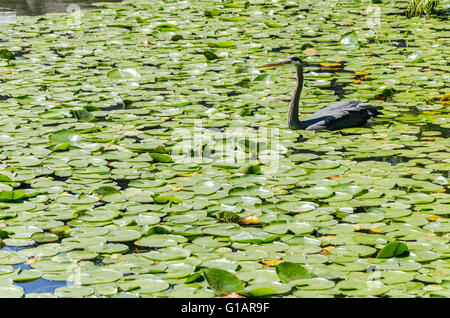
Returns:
(222, 280)
(387, 91)
(160, 157)
(123, 73)
(161, 240)
(414, 58)
(106, 190)
(212, 13)
(143, 284)
(83, 115)
(4, 178)
(7, 55)
(265, 289)
(210, 55)
(11, 196)
(44, 237)
(273, 25)
(11, 291)
(393, 249)
(4, 234)
(234, 5)
(61, 147)
(349, 38)
(63, 136)
(177, 37)
(206, 187)
(225, 44)
(250, 169)
(73, 291)
(163, 199)
(232, 19)
(288, 272)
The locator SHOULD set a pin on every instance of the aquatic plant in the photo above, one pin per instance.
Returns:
(418, 8)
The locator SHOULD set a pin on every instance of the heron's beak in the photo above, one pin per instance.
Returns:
(277, 63)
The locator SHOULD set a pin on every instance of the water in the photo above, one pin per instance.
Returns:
(9, 9)
(39, 285)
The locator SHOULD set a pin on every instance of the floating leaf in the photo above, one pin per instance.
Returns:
(225, 44)
(163, 199)
(106, 190)
(349, 38)
(123, 73)
(212, 13)
(210, 55)
(222, 280)
(65, 135)
(288, 272)
(11, 196)
(83, 115)
(11, 291)
(4, 178)
(160, 157)
(7, 55)
(268, 289)
(393, 249)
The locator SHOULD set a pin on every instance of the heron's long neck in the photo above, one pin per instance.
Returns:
(293, 121)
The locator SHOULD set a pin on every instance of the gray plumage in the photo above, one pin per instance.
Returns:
(343, 115)
(347, 114)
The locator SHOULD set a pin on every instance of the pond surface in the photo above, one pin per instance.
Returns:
(143, 152)
(39, 7)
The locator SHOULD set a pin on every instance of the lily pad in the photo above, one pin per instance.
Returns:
(222, 280)
(288, 272)
(393, 249)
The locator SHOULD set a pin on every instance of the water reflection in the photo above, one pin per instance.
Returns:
(11, 8)
(41, 285)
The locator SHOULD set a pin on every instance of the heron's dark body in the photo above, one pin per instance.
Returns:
(347, 114)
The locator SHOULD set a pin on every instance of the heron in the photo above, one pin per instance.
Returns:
(347, 114)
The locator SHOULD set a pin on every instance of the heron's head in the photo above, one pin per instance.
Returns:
(294, 60)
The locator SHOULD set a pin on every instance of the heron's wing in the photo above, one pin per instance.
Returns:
(343, 115)
(344, 108)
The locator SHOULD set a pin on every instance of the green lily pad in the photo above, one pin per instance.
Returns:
(168, 254)
(362, 288)
(320, 165)
(267, 289)
(222, 280)
(416, 198)
(317, 283)
(73, 291)
(144, 284)
(393, 249)
(107, 248)
(5, 54)
(297, 207)
(288, 272)
(123, 73)
(11, 291)
(161, 240)
(64, 136)
(11, 196)
(95, 276)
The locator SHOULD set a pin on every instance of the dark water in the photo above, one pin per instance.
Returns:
(11, 8)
